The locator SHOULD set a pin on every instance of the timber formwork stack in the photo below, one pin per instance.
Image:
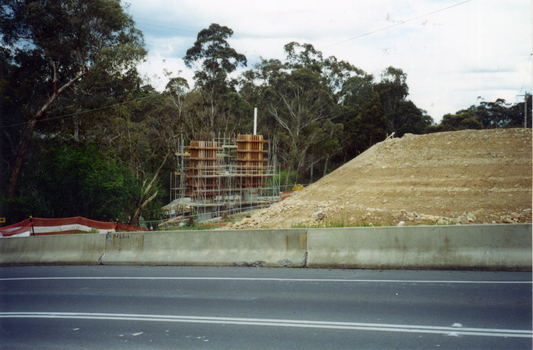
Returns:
(204, 168)
(250, 161)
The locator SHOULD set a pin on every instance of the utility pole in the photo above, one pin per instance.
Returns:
(525, 109)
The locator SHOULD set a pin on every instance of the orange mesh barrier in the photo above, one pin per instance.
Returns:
(23, 228)
(78, 224)
(129, 228)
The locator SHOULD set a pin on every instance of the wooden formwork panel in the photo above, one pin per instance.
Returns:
(250, 159)
(204, 163)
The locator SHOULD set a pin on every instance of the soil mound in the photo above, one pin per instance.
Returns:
(471, 176)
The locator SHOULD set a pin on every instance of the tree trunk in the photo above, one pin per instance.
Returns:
(326, 166)
(287, 178)
(139, 209)
(142, 202)
(21, 154)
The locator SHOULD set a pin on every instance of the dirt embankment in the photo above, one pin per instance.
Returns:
(471, 176)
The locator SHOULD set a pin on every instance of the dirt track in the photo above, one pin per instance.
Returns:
(462, 177)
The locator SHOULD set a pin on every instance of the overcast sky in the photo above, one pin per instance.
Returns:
(454, 52)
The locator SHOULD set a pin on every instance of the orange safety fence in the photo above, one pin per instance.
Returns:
(23, 228)
(129, 228)
(78, 224)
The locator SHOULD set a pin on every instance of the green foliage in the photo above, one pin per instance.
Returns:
(298, 106)
(410, 119)
(369, 126)
(75, 180)
(71, 56)
(393, 90)
(215, 106)
(439, 128)
(213, 52)
(60, 55)
(193, 227)
(282, 178)
(486, 115)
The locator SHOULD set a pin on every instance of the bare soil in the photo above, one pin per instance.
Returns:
(471, 176)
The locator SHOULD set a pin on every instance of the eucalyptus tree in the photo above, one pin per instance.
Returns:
(176, 93)
(410, 119)
(355, 97)
(369, 125)
(316, 109)
(392, 90)
(214, 60)
(297, 97)
(68, 41)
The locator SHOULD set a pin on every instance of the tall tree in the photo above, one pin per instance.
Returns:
(214, 59)
(392, 90)
(75, 38)
(143, 136)
(410, 119)
(297, 95)
(355, 98)
(369, 125)
(176, 92)
(486, 115)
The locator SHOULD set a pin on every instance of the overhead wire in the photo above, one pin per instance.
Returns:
(398, 24)
(80, 112)
(172, 26)
(340, 42)
(90, 110)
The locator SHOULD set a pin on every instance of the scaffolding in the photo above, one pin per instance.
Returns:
(222, 176)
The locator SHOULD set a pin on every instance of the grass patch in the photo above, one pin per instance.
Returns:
(333, 224)
(92, 230)
(196, 226)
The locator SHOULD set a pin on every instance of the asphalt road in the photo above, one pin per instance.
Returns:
(112, 307)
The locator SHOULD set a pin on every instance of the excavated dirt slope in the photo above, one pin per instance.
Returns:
(461, 177)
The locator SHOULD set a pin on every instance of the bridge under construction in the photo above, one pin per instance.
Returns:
(218, 176)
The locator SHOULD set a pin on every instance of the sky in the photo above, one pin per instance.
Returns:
(456, 53)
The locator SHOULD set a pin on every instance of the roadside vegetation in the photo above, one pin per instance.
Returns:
(83, 135)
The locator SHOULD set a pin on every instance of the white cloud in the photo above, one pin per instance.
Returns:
(451, 56)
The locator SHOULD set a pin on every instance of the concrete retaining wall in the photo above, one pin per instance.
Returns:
(272, 248)
(487, 247)
(493, 247)
(79, 249)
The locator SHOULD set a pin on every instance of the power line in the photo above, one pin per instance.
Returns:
(397, 24)
(81, 112)
(340, 42)
(96, 109)
(173, 27)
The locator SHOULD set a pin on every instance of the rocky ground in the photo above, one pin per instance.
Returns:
(471, 176)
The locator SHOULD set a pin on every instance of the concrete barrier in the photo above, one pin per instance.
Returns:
(271, 248)
(493, 247)
(75, 249)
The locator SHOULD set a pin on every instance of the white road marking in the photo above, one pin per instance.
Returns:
(252, 279)
(277, 323)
